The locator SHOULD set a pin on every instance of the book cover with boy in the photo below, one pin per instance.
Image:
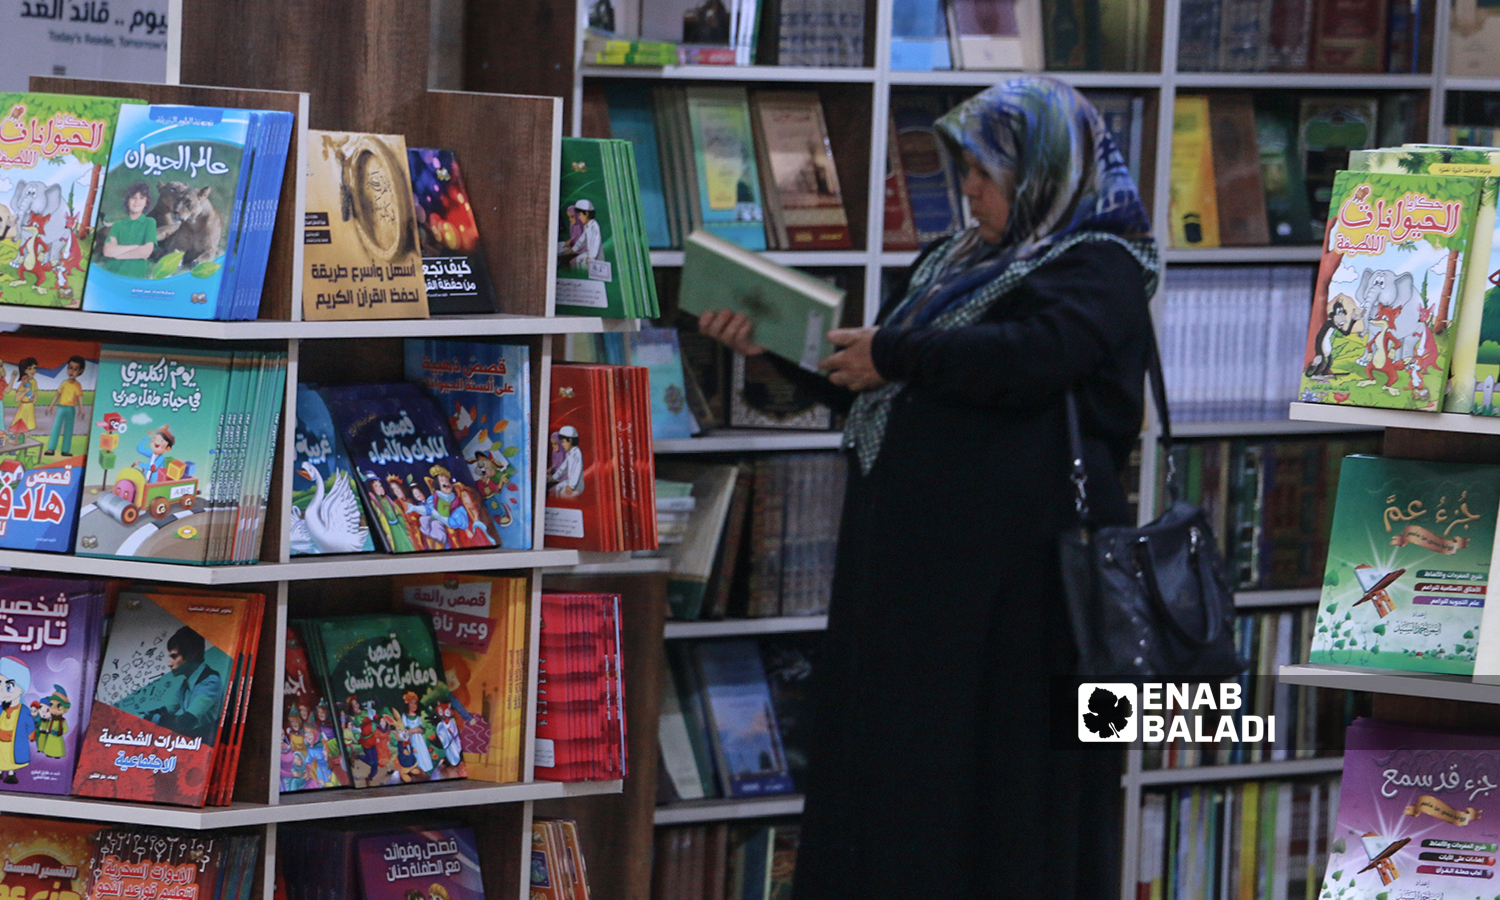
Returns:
(1408, 565)
(167, 205)
(159, 416)
(485, 391)
(416, 487)
(53, 152)
(47, 394)
(458, 281)
(327, 516)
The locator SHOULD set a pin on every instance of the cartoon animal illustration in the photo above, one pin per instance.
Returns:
(1383, 349)
(1423, 353)
(1341, 320)
(1382, 287)
(331, 523)
(39, 206)
(192, 226)
(31, 259)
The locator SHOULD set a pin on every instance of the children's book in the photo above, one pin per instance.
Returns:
(1408, 565)
(416, 486)
(161, 698)
(593, 262)
(43, 857)
(52, 630)
(160, 412)
(485, 392)
(53, 152)
(168, 206)
(583, 506)
(327, 515)
(395, 710)
(1416, 815)
(311, 755)
(482, 628)
(362, 256)
(436, 863)
(48, 400)
(458, 281)
(1390, 282)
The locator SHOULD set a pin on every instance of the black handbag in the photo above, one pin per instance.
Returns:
(1149, 603)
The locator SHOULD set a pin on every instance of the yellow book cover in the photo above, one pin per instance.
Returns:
(361, 256)
(1194, 209)
(515, 685)
(1249, 832)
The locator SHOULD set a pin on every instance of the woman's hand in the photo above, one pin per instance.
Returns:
(731, 329)
(852, 366)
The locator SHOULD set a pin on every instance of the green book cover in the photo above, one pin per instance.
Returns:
(1408, 564)
(724, 156)
(590, 278)
(792, 311)
(1389, 285)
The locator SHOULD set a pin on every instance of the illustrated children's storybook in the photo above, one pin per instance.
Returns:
(485, 391)
(1389, 285)
(327, 516)
(48, 399)
(53, 152)
(1408, 565)
(435, 863)
(1417, 815)
(312, 755)
(458, 281)
(416, 487)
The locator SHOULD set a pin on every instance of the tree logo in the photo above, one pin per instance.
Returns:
(1106, 713)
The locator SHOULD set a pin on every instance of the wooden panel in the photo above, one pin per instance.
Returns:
(616, 830)
(1446, 714)
(847, 109)
(502, 833)
(505, 145)
(361, 60)
(1441, 446)
(524, 48)
(276, 298)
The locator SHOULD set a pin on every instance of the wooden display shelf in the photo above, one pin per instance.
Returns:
(1268, 428)
(497, 325)
(722, 810)
(744, 627)
(737, 440)
(1287, 768)
(1371, 418)
(1387, 681)
(309, 805)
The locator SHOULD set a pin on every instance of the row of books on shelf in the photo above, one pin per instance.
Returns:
(1308, 722)
(737, 33)
(1060, 35)
(1367, 36)
(1253, 839)
(580, 714)
(752, 539)
(1251, 171)
(1269, 501)
(732, 717)
(1233, 339)
(725, 861)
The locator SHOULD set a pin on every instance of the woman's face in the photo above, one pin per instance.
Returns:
(989, 201)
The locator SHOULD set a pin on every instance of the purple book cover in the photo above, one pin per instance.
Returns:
(49, 661)
(1419, 815)
(432, 864)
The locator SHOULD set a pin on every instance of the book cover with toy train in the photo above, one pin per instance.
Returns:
(1408, 565)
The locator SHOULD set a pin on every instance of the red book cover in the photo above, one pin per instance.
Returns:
(1350, 36)
(571, 740)
(900, 227)
(582, 510)
(645, 462)
(161, 699)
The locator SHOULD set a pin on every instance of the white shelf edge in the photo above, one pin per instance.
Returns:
(898, 259)
(985, 78)
(1289, 768)
(739, 627)
(723, 810)
(1386, 681)
(1267, 427)
(1313, 81)
(1367, 417)
(747, 439)
(269, 329)
(671, 259)
(1292, 597)
(590, 563)
(826, 74)
(1471, 84)
(1275, 253)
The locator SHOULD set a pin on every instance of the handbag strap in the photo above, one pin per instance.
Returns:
(1079, 475)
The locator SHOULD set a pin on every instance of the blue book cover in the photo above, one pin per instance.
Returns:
(631, 118)
(262, 200)
(416, 487)
(742, 721)
(931, 176)
(485, 391)
(167, 204)
(326, 513)
(919, 36)
(657, 349)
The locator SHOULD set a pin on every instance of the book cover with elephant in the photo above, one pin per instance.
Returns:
(166, 209)
(53, 153)
(362, 255)
(1388, 290)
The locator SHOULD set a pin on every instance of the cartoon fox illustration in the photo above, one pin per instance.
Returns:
(1384, 349)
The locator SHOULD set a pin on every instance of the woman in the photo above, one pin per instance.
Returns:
(945, 760)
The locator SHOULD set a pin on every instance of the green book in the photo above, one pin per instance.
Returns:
(1408, 564)
(594, 269)
(792, 311)
(724, 158)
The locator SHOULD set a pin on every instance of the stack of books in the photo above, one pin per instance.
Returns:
(600, 470)
(1366, 36)
(603, 253)
(674, 510)
(380, 862)
(557, 867)
(659, 352)
(740, 861)
(580, 718)
(603, 48)
(167, 727)
(737, 32)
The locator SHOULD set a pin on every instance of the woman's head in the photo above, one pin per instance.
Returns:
(989, 198)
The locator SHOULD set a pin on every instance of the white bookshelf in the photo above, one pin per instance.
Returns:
(1365, 417)
(744, 627)
(692, 811)
(1289, 768)
(1387, 681)
(752, 440)
(1261, 599)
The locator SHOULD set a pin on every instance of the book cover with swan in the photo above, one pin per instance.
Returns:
(327, 516)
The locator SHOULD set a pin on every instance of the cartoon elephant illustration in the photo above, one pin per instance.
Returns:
(1382, 287)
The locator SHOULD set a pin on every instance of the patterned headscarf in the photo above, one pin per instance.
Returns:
(1071, 187)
